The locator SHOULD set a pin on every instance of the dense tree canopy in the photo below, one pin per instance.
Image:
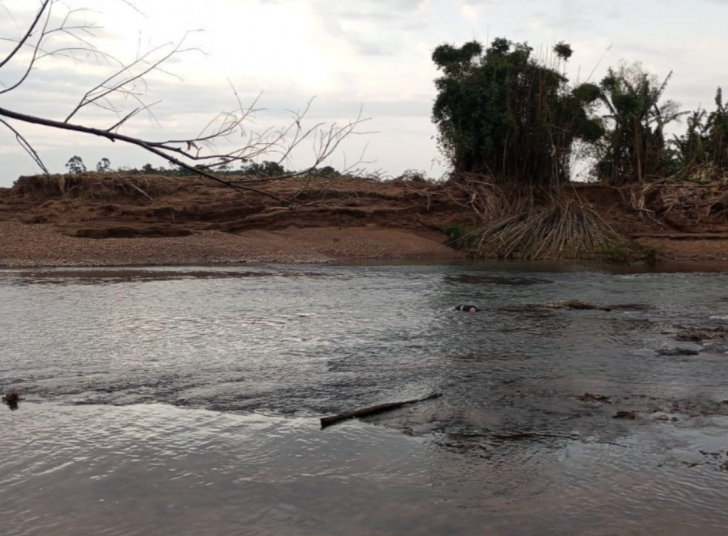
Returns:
(703, 150)
(104, 165)
(75, 165)
(501, 112)
(634, 148)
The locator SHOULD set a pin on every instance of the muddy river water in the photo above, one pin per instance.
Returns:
(186, 401)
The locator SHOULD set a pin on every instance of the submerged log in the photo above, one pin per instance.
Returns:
(372, 410)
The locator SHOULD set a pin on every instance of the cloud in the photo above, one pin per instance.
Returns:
(373, 27)
(470, 12)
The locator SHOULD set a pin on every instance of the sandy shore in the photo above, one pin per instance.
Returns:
(23, 245)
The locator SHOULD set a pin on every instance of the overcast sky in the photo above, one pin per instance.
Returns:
(348, 54)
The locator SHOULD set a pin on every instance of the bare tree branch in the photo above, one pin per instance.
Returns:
(109, 86)
(198, 154)
(43, 8)
(26, 146)
(32, 61)
(114, 136)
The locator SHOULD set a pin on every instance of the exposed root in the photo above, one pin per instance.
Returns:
(563, 229)
(483, 196)
(687, 200)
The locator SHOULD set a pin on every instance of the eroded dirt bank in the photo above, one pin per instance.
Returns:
(118, 219)
(139, 220)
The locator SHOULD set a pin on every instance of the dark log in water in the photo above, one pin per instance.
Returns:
(372, 410)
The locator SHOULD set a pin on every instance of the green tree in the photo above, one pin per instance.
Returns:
(563, 51)
(264, 169)
(75, 165)
(502, 113)
(702, 152)
(326, 171)
(104, 165)
(717, 128)
(634, 148)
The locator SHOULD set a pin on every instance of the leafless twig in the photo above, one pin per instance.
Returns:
(199, 154)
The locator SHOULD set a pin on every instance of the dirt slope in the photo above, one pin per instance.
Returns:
(138, 220)
(117, 219)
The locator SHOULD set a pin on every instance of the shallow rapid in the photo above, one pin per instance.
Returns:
(186, 401)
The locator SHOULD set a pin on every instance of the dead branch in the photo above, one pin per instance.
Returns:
(373, 410)
(27, 147)
(45, 6)
(128, 82)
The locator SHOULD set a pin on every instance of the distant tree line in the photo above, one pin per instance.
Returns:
(265, 168)
(503, 113)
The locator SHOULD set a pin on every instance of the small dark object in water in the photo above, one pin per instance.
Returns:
(700, 333)
(516, 436)
(578, 305)
(588, 397)
(571, 304)
(467, 308)
(626, 415)
(631, 307)
(675, 352)
(12, 399)
(373, 410)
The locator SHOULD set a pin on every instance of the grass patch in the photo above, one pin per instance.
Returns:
(627, 251)
(457, 237)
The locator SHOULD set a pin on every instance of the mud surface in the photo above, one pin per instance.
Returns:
(188, 400)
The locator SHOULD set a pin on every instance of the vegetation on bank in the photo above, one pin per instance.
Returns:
(264, 169)
(505, 114)
(560, 228)
(501, 113)
(506, 118)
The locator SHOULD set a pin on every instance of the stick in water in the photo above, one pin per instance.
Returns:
(373, 410)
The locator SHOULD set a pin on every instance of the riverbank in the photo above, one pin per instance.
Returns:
(24, 245)
(123, 220)
(118, 220)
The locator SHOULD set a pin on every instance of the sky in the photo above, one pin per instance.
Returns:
(370, 55)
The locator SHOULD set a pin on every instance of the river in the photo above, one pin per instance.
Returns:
(187, 401)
